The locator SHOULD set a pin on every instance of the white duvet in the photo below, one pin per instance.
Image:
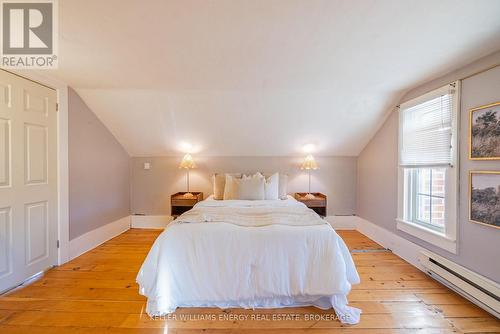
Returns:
(250, 254)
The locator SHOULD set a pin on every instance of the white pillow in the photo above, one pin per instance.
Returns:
(249, 187)
(219, 181)
(283, 186)
(271, 186)
(228, 187)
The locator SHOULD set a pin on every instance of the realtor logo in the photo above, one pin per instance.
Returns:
(29, 34)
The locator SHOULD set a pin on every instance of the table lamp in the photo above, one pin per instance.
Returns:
(309, 164)
(187, 163)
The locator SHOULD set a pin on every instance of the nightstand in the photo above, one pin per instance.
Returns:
(180, 204)
(318, 203)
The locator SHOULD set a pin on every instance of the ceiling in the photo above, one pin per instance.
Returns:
(261, 77)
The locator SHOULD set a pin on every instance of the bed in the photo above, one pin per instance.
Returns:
(249, 254)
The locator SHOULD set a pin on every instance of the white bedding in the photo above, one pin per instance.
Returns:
(250, 254)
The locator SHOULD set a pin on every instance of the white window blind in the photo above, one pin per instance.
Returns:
(425, 131)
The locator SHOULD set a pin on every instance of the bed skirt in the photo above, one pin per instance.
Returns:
(345, 314)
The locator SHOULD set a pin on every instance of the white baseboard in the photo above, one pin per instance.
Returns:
(415, 255)
(403, 248)
(94, 238)
(153, 222)
(342, 222)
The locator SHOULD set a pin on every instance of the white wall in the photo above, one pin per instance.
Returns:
(151, 189)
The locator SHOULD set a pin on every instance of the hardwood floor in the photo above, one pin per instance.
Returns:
(97, 293)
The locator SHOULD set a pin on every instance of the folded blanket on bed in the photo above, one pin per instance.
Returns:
(252, 216)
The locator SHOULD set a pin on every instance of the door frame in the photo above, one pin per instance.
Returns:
(43, 78)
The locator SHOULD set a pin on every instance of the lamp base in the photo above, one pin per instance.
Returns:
(188, 195)
(309, 196)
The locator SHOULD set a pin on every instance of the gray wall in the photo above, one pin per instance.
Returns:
(377, 171)
(151, 189)
(99, 171)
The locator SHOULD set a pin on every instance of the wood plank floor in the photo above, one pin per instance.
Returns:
(97, 293)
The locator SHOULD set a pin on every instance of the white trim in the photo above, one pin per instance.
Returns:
(460, 285)
(63, 175)
(342, 222)
(428, 235)
(403, 248)
(96, 237)
(413, 254)
(472, 276)
(428, 96)
(446, 240)
(62, 155)
(152, 222)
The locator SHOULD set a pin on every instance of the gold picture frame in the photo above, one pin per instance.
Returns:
(471, 112)
(471, 173)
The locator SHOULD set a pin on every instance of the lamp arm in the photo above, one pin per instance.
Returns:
(309, 180)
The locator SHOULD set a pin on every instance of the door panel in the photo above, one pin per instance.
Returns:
(4, 152)
(37, 232)
(28, 179)
(5, 95)
(35, 102)
(35, 162)
(5, 242)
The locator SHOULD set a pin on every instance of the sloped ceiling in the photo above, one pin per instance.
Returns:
(261, 77)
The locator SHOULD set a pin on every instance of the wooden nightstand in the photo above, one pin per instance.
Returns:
(318, 204)
(180, 204)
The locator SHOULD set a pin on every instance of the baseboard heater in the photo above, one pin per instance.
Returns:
(478, 289)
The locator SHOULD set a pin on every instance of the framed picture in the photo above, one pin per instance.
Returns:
(484, 197)
(484, 132)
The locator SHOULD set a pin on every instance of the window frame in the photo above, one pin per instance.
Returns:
(413, 192)
(446, 239)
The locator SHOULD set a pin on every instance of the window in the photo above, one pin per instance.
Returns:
(428, 166)
(428, 186)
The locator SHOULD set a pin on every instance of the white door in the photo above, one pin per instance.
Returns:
(28, 179)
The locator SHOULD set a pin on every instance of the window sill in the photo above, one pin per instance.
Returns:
(433, 237)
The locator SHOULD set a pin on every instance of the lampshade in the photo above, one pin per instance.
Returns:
(309, 163)
(187, 162)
